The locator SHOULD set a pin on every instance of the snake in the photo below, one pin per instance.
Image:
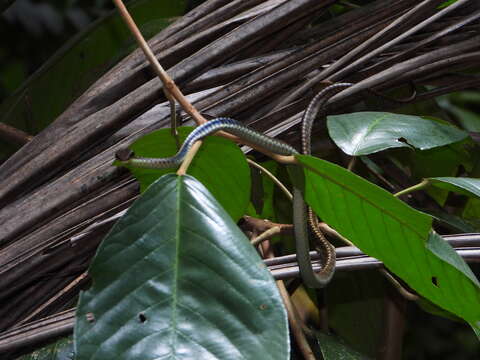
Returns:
(303, 216)
(316, 108)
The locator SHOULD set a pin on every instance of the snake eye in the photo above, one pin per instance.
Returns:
(124, 154)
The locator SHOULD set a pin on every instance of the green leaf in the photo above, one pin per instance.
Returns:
(469, 120)
(220, 165)
(60, 350)
(357, 295)
(472, 210)
(364, 133)
(453, 222)
(266, 211)
(462, 185)
(458, 104)
(388, 229)
(176, 279)
(476, 330)
(442, 161)
(438, 246)
(65, 76)
(333, 348)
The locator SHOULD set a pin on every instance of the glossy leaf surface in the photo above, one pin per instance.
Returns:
(386, 228)
(220, 165)
(463, 185)
(177, 279)
(364, 133)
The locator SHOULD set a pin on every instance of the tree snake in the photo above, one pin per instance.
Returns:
(301, 213)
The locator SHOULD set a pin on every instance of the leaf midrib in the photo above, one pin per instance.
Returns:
(364, 198)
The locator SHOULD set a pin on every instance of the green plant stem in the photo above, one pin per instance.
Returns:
(413, 188)
(188, 158)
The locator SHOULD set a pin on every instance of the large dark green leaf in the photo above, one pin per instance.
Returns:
(391, 231)
(364, 133)
(355, 309)
(220, 165)
(47, 93)
(177, 279)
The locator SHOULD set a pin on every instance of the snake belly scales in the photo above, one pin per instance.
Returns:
(301, 213)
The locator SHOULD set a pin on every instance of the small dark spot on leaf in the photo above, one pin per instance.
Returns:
(434, 281)
(90, 317)
(142, 317)
(263, 307)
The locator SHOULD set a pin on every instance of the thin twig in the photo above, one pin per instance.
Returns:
(265, 228)
(13, 135)
(324, 227)
(413, 188)
(293, 319)
(188, 158)
(167, 81)
(173, 89)
(408, 295)
(266, 235)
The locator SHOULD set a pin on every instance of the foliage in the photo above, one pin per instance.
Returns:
(219, 166)
(185, 287)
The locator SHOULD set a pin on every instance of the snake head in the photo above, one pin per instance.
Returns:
(124, 154)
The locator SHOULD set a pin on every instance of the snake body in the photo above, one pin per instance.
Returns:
(316, 108)
(301, 214)
(219, 124)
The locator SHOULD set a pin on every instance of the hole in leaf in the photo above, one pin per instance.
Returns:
(142, 317)
(405, 141)
(434, 281)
